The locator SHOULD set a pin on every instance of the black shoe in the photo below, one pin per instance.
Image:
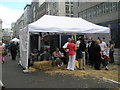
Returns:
(3, 62)
(83, 68)
(106, 68)
(3, 88)
(97, 69)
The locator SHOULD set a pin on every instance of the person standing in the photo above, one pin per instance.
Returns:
(111, 53)
(102, 44)
(105, 57)
(65, 51)
(2, 55)
(13, 50)
(90, 48)
(97, 55)
(78, 54)
(103, 47)
(82, 48)
(72, 54)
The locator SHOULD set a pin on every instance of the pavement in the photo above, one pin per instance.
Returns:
(117, 56)
(13, 77)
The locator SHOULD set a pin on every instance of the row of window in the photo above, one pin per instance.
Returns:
(69, 9)
(69, 15)
(68, 2)
(100, 9)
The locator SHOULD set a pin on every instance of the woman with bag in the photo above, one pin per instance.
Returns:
(2, 52)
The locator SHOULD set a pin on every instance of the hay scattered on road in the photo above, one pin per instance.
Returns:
(112, 73)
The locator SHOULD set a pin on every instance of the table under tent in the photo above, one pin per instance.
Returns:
(52, 25)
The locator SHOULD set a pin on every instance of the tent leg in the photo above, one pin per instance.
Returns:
(60, 40)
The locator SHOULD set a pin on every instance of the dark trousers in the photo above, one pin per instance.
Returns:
(13, 55)
(111, 56)
(91, 59)
(97, 63)
(63, 60)
(66, 58)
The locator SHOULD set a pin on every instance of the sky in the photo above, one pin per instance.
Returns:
(10, 11)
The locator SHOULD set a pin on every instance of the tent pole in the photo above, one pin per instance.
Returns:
(39, 43)
(60, 40)
(28, 38)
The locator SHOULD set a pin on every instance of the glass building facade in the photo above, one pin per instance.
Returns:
(98, 10)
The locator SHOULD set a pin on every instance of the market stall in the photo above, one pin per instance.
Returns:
(51, 25)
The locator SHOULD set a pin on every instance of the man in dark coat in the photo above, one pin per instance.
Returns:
(97, 55)
(13, 50)
(90, 46)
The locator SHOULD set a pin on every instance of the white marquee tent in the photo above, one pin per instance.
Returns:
(58, 24)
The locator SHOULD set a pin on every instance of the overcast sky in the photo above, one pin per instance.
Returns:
(11, 11)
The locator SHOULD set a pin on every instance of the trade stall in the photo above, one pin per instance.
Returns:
(54, 24)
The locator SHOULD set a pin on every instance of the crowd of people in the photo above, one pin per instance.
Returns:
(96, 53)
(12, 48)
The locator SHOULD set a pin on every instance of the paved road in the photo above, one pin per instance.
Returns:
(117, 56)
(13, 77)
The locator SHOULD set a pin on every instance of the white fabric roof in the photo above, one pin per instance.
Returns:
(60, 24)
(50, 23)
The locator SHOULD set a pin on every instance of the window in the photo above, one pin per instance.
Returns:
(71, 2)
(71, 9)
(94, 11)
(34, 13)
(110, 6)
(103, 7)
(89, 13)
(80, 14)
(97, 10)
(72, 16)
(84, 14)
(114, 6)
(106, 7)
(55, 7)
(67, 8)
(100, 9)
(67, 15)
(66, 2)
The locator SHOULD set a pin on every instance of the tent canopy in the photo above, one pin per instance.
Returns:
(59, 24)
(65, 24)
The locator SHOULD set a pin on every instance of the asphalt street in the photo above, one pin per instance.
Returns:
(13, 77)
